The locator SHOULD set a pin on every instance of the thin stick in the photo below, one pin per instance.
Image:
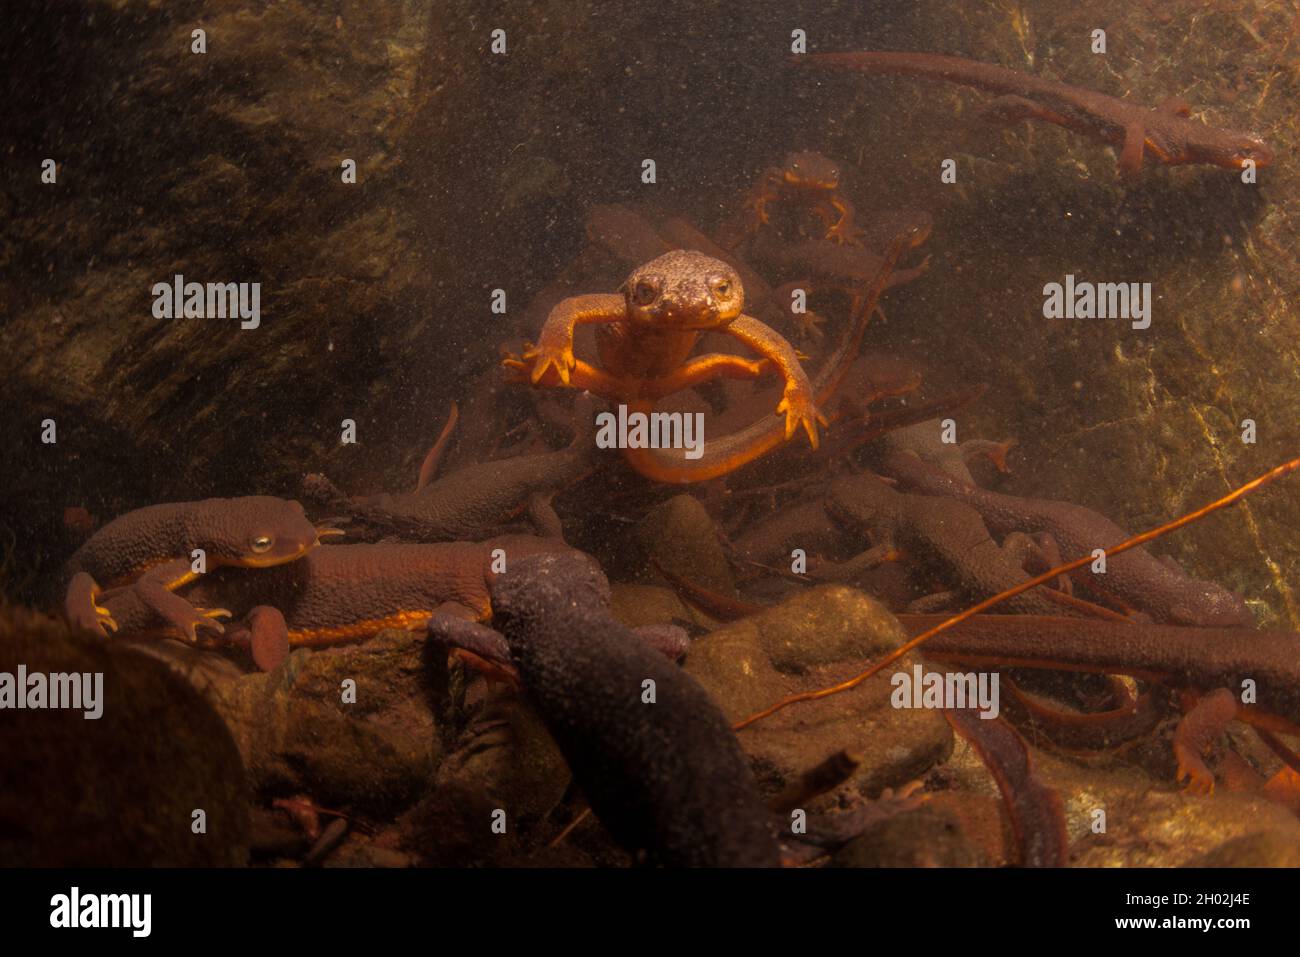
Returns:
(1284, 469)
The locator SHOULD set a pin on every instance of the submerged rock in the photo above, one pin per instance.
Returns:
(370, 745)
(121, 790)
(810, 641)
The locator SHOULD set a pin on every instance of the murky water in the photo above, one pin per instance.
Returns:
(283, 249)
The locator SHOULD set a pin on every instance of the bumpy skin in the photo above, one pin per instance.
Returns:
(464, 503)
(668, 779)
(644, 339)
(1203, 659)
(943, 532)
(141, 547)
(1213, 662)
(924, 440)
(1164, 135)
(1135, 577)
(810, 178)
(340, 593)
(227, 529)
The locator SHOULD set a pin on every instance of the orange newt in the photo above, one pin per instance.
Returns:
(1166, 134)
(645, 337)
(806, 178)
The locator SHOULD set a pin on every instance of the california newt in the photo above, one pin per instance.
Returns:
(805, 178)
(1205, 661)
(474, 499)
(344, 593)
(925, 440)
(1136, 578)
(947, 533)
(149, 552)
(1166, 134)
(644, 338)
(696, 801)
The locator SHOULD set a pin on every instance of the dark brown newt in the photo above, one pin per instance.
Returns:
(1136, 577)
(477, 498)
(950, 534)
(1166, 134)
(345, 593)
(1035, 811)
(1213, 663)
(140, 550)
(696, 801)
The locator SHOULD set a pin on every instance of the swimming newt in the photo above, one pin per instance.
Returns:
(804, 178)
(1213, 663)
(648, 334)
(1136, 577)
(139, 550)
(645, 337)
(1166, 134)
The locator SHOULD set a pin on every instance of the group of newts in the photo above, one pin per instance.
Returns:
(670, 781)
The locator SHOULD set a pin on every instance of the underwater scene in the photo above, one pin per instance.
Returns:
(603, 434)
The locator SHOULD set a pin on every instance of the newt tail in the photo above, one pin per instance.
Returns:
(1165, 134)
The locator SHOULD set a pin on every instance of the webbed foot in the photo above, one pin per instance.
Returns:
(82, 608)
(800, 411)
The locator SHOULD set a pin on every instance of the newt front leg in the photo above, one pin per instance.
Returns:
(555, 345)
(798, 401)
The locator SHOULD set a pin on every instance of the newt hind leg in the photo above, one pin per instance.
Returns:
(1204, 723)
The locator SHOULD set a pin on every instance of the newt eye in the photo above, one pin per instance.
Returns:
(723, 288)
(644, 292)
(262, 544)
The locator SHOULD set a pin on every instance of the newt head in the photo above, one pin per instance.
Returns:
(809, 170)
(256, 531)
(1250, 147)
(1205, 604)
(684, 289)
(1198, 143)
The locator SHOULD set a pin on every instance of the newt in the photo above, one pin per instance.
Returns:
(1136, 578)
(949, 534)
(344, 593)
(696, 802)
(645, 337)
(148, 551)
(471, 500)
(1166, 134)
(805, 178)
(925, 440)
(1212, 663)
